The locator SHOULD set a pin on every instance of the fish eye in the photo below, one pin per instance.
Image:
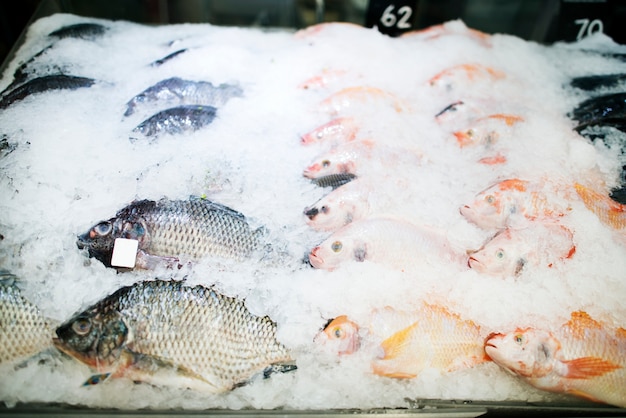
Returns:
(324, 209)
(490, 199)
(470, 133)
(325, 163)
(500, 254)
(519, 339)
(320, 135)
(81, 326)
(103, 228)
(338, 332)
(336, 246)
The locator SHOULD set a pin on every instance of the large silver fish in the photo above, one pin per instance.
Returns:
(167, 333)
(173, 229)
(24, 331)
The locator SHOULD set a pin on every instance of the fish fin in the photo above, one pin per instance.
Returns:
(381, 370)
(586, 367)
(580, 322)
(278, 368)
(396, 344)
(96, 379)
(584, 395)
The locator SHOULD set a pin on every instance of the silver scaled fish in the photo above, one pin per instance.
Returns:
(168, 230)
(167, 333)
(24, 331)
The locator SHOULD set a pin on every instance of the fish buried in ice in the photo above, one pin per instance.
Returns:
(167, 333)
(167, 230)
(583, 357)
(24, 331)
(176, 120)
(409, 342)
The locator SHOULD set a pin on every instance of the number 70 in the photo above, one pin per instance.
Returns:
(588, 27)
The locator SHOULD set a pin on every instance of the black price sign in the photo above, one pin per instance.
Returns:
(579, 19)
(392, 17)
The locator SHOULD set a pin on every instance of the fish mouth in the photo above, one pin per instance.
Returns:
(314, 259)
(473, 263)
(489, 340)
(311, 213)
(310, 171)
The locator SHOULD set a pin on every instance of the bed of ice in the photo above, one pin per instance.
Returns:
(73, 165)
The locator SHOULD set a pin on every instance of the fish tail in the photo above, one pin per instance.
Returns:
(608, 211)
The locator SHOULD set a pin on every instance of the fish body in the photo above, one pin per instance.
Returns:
(177, 120)
(338, 130)
(610, 212)
(392, 242)
(42, 85)
(583, 357)
(451, 78)
(167, 333)
(177, 91)
(24, 331)
(355, 97)
(512, 202)
(409, 342)
(86, 30)
(511, 251)
(169, 229)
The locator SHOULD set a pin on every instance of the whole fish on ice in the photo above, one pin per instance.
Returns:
(513, 202)
(511, 251)
(167, 333)
(486, 130)
(355, 99)
(176, 120)
(583, 357)
(465, 75)
(409, 342)
(176, 91)
(167, 230)
(44, 84)
(24, 331)
(85, 30)
(336, 131)
(392, 242)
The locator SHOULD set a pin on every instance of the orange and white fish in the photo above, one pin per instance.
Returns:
(609, 212)
(388, 241)
(471, 73)
(486, 130)
(340, 336)
(359, 157)
(338, 130)
(447, 29)
(583, 357)
(513, 202)
(512, 250)
(361, 96)
(408, 342)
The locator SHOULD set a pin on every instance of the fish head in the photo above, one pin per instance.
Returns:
(493, 206)
(336, 250)
(476, 135)
(340, 336)
(334, 211)
(331, 163)
(100, 239)
(94, 338)
(524, 352)
(500, 256)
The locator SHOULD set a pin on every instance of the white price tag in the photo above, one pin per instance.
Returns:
(124, 252)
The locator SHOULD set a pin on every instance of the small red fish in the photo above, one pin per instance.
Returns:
(583, 357)
(360, 96)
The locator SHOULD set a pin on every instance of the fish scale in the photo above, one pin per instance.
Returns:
(207, 337)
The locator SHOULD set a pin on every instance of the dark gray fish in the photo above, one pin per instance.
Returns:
(44, 84)
(176, 91)
(168, 229)
(176, 120)
(88, 31)
(164, 332)
(22, 72)
(334, 180)
(595, 82)
(166, 58)
(606, 110)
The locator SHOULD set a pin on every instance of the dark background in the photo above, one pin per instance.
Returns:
(538, 20)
